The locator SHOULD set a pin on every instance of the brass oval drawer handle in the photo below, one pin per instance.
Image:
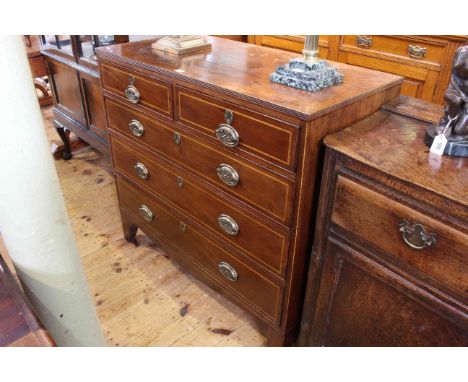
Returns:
(228, 225)
(364, 41)
(416, 236)
(131, 92)
(177, 138)
(136, 128)
(146, 213)
(228, 271)
(141, 170)
(227, 135)
(415, 51)
(228, 174)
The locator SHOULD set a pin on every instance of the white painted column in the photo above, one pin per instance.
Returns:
(33, 218)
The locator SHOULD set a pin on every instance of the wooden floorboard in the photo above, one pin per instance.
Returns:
(142, 297)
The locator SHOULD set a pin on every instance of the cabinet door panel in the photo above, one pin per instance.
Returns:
(361, 303)
(66, 90)
(95, 105)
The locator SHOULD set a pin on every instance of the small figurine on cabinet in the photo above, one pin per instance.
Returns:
(454, 123)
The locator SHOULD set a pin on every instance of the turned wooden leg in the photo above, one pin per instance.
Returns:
(129, 230)
(66, 144)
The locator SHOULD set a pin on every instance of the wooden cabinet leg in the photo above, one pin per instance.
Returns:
(66, 144)
(129, 230)
(275, 337)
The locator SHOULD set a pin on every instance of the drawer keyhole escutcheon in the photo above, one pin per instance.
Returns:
(415, 51)
(416, 236)
(228, 271)
(227, 135)
(228, 174)
(131, 92)
(228, 225)
(180, 181)
(183, 226)
(364, 41)
(177, 138)
(141, 170)
(136, 128)
(228, 116)
(146, 213)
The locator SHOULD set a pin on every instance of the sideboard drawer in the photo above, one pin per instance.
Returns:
(418, 50)
(259, 240)
(253, 287)
(207, 161)
(443, 255)
(238, 129)
(138, 89)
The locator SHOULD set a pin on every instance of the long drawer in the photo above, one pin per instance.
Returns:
(430, 246)
(410, 49)
(147, 92)
(240, 130)
(236, 176)
(266, 243)
(251, 286)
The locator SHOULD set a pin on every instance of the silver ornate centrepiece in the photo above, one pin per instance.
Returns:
(309, 72)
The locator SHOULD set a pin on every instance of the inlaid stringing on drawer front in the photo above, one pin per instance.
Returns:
(232, 273)
(138, 89)
(426, 244)
(243, 180)
(267, 243)
(258, 134)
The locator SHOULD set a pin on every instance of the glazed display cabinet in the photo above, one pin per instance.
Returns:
(74, 80)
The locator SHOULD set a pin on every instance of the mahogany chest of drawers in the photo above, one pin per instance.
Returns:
(218, 165)
(390, 259)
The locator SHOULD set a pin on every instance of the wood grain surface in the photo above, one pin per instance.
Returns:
(244, 73)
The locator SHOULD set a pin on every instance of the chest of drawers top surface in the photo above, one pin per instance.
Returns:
(394, 144)
(242, 70)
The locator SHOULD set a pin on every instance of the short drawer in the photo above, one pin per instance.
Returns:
(266, 243)
(400, 230)
(270, 193)
(238, 129)
(253, 287)
(138, 89)
(419, 50)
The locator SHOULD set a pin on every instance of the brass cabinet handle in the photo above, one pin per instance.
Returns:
(131, 92)
(228, 271)
(415, 235)
(227, 135)
(136, 128)
(180, 181)
(228, 174)
(415, 51)
(364, 41)
(228, 224)
(177, 138)
(141, 170)
(146, 213)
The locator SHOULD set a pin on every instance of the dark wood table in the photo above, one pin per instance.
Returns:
(19, 326)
